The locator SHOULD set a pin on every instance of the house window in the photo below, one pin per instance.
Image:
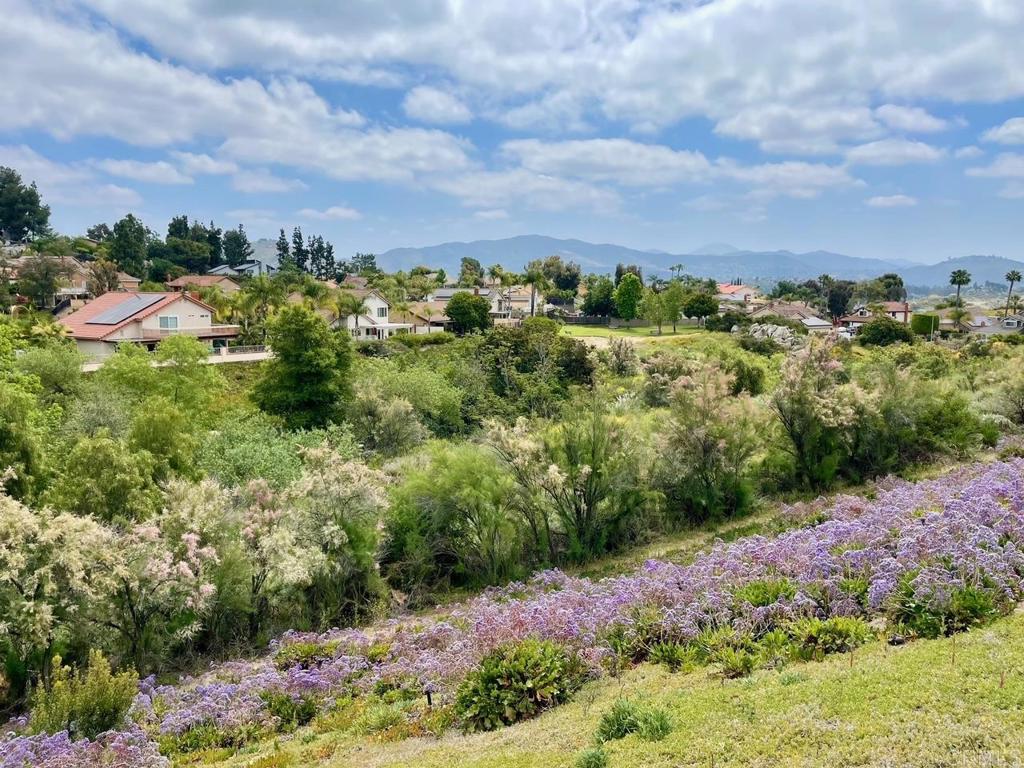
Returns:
(168, 322)
(382, 311)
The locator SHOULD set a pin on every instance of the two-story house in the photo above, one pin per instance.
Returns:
(862, 313)
(144, 319)
(375, 321)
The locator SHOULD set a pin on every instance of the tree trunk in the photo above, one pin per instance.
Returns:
(1009, 294)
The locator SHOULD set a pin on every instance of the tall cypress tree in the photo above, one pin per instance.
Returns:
(299, 253)
(332, 267)
(216, 243)
(284, 255)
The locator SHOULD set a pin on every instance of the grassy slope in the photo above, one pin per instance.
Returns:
(930, 703)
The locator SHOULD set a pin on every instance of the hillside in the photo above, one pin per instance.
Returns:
(934, 702)
(715, 260)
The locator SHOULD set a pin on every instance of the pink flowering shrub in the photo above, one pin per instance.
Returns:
(932, 558)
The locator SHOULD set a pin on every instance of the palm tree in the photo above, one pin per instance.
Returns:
(536, 279)
(495, 272)
(1013, 276)
(347, 304)
(261, 296)
(959, 278)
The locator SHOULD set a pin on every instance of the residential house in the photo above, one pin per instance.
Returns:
(191, 282)
(502, 306)
(424, 316)
(790, 310)
(144, 319)
(991, 325)
(863, 313)
(816, 324)
(245, 269)
(735, 293)
(376, 322)
(354, 281)
(126, 282)
(73, 291)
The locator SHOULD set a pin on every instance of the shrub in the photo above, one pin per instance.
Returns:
(965, 607)
(305, 655)
(814, 638)
(85, 704)
(516, 682)
(747, 376)
(622, 357)
(416, 340)
(378, 717)
(594, 757)
(675, 656)
(882, 331)
(765, 347)
(382, 426)
(764, 592)
(735, 662)
(292, 712)
(626, 717)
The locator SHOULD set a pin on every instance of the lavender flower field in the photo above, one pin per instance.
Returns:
(934, 557)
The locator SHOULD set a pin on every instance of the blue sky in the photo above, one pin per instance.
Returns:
(873, 128)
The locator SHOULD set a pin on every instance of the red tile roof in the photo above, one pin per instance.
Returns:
(78, 324)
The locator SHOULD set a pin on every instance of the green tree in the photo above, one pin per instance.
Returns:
(924, 324)
(184, 376)
(103, 277)
(651, 308)
(103, 477)
(284, 253)
(128, 245)
(164, 431)
(40, 277)
(468, 312)
(672, 299)
(837, 297)
(883, 331)
(21, 438)
(471, 273)
(191, 255)
(237, 248)
(99, 232)
(22, 214)
(306, 383)
(600, 298)
(700, 305)
(628, 295)
(178, 227)
(1012, 277)
(537, 280)
(959, 278)
(300, 254)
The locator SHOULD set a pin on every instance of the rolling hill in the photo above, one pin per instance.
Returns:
(716, 260)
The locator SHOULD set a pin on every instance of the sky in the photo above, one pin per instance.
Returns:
(868, 127)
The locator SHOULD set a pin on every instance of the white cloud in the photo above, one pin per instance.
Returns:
(1007, 166)
(494, 214)
(968, 153)
(788, 179)
(1013, 191)
(894, 152)
(648, 65)
(618, 160)
(202, 164)
(71, 185)
(1010, 132)
(431, 105)
(891, 201)
(524, 188)
(810, 131)
(910, 119)
(261, 216)
(333, 213)
(263, 181)
(160, 172)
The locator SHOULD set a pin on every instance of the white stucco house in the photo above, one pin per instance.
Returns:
(142, 318)
(375, 323)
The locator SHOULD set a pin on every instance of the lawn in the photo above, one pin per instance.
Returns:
(604, 332)
(949, 702)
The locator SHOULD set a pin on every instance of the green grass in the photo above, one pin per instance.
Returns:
(950, 702)
(604, 332)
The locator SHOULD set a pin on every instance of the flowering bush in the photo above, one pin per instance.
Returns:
(933, 558)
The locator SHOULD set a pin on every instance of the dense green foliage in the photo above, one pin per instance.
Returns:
(517, 682)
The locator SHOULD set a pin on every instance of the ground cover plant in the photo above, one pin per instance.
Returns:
(931, 559)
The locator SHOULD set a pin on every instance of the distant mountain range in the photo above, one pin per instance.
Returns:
(716, 260)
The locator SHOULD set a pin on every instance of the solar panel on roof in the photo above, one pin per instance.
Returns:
(136, 303)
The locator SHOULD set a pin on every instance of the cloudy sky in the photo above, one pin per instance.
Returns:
(870, 127)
